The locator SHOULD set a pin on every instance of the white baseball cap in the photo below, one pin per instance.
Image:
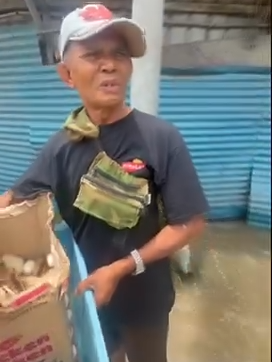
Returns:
(91, 19)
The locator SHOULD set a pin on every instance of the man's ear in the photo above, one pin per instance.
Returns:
(64, 74)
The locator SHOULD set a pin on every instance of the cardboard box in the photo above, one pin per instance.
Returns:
(25, 228)
(35, 323)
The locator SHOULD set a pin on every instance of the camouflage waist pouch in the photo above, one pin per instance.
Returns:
(111, 194)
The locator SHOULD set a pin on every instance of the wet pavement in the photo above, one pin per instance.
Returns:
(224, 313)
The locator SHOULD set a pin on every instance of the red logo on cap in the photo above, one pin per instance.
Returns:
(94, 12)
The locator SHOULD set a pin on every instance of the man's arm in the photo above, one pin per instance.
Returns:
(185, 206)
(40, 177)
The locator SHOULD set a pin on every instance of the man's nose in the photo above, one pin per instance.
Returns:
(108, 65)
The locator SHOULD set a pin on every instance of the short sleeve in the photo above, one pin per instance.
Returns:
(180, 188)
(41, 176)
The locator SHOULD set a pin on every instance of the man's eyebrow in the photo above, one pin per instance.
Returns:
(92, 51)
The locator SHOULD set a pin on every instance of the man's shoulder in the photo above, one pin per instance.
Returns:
(154, 123)
(57, 142)
(154, 127)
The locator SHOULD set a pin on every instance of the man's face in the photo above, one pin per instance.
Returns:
(99, 68)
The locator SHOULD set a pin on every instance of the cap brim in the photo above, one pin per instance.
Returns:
(132, 33)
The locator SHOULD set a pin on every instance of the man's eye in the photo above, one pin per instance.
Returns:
(122, 53)
(91, 56)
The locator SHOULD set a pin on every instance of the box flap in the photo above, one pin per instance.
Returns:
(26, 228)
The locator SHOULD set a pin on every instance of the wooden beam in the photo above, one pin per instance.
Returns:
(213, 9)
(190, 25)
(219, 2)
(34, 13)
(205, 7)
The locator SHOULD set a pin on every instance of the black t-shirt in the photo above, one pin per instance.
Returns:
(137, 139)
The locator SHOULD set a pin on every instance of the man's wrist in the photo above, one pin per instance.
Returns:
(124, 267)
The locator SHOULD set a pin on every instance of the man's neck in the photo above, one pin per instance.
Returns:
(107, 115)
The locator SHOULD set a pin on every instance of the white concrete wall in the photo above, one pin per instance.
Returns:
(222, 52)
(200, 27)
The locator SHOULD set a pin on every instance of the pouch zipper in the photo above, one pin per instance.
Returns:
(103, 174)
(97, 183)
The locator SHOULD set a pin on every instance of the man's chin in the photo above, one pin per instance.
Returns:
(110, 102)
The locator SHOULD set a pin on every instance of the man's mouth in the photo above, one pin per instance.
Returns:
(110, 85)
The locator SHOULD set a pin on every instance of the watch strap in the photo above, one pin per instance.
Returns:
(139, 264)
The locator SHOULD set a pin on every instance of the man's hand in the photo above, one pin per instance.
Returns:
(103, 282)
(5, 200)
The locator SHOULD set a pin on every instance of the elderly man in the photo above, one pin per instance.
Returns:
(110, 168)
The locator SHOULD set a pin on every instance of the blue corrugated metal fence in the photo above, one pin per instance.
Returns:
(259, 213)
(217, 114)
(33, 102)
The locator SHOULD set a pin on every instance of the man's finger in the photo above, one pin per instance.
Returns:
(99, 300)
(84, 285)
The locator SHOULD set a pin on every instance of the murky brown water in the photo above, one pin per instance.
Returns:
(224, 315)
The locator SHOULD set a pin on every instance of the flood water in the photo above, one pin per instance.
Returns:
(224, 313)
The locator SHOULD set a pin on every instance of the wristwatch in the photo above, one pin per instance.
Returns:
(139, 264)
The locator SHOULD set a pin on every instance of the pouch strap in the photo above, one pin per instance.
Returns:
(98, 144)
(120, 238)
